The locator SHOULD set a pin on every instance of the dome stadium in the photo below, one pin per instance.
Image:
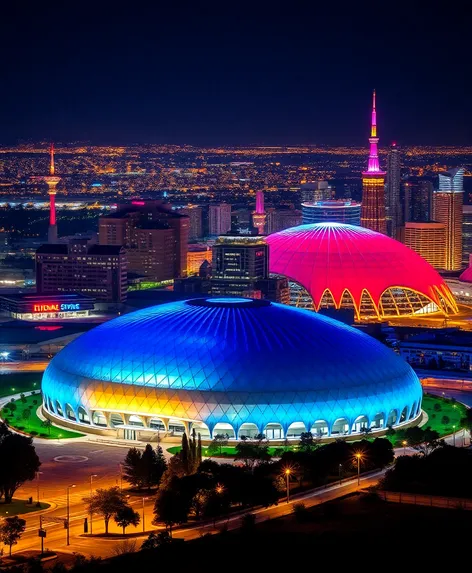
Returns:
(234, 366)
(345, 266)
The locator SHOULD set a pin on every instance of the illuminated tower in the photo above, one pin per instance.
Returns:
(373, 181)
(52, 181)
(259, 215)
(392, 187)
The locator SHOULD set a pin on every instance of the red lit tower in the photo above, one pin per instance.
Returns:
(259, 215)
(52, 181)
(373, 185)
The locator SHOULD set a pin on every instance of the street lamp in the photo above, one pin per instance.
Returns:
(340, 468)
(359, 457)
(91, 511)
(37, 489)
(4, 355)
(404, 443)
(68, 511)
(144, 498)
(287, 477)
(219, 489)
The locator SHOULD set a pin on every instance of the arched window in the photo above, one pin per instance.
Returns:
(225, 429)
(248, 430)
(404, 415)
(99, 419)
(340, 427)
(116, 420)
(320, 429)
(360, 423)
(378, 421)
(392, 418)
(296, 429)
(70, 414)
(136, 421)
(83, 416)
(51, 407)
(413, 411)
(274, 431)
(59, 409)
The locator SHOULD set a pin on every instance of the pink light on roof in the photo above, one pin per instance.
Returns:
(373, 165)
(137, 203)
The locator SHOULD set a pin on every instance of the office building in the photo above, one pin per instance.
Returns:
(219, 219)
(46, 307)
(195, 218)
(429, 241)
(155, 238)
(99, 271)
(393, 211)
(418, 200)
(373, 185)
(334, 211)
(240, 267)
(316, 191)
(466, 234)
(447, 208)
(280, 219)
(196, 255)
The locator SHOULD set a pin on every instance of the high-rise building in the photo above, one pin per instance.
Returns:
(334, 211)
(51, 181)
(99, 271)
(466, 234)
(195, 216)
(418, 200)
(428, 240)
(447, 208)
(155, 238)
(280, 219)
(240, 267)
(393, 210)
(373, 185)
(259, 215)
(220, 219)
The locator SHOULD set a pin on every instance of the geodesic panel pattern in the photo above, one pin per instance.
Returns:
(344, 259)
(234, 361)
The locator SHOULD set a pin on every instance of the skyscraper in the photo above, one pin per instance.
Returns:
(447, 208)
(466, 234)
(194, 213)
(393, 207)
(373, 185)
(428, 240)
(220, 219)
(52, 180)
(418, 200)
(259, 215)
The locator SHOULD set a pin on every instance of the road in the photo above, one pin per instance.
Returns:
(26, 366)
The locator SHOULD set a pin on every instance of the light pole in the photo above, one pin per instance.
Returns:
(68, 511)
(144, 528)
(340, 467)
(287, 476)
(38, 504)
(91, 493)
(404, 443)
(358, 456)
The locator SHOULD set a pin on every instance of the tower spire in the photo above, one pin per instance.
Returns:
(51, 166)
(373, 165)
(373, 129)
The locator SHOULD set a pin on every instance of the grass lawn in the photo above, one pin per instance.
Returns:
(19, 506)
(437, 408)
(19, 382)
(33, 425)
(228, 451)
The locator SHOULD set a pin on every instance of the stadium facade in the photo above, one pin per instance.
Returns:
(345, 266)
(233, 366)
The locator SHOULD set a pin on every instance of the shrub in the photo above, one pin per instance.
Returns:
(41, 435)
(445, 420)
(34, 433)
(437, 407)
(301, 513)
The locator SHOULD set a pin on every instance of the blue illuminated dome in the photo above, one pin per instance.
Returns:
(235, 366)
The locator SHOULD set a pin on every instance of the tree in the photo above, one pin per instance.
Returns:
(466, 421)
(47, 424)
(132, 470)
(11, 530)
(148, 466)
(19, 462)
(170, 508)
(105, 502)
(160, 466)
(185, 454)
(156, 540)
(127, 516)
(26, 415)
(307, 441)
(253, 451)
(445, 420)
(217, 444)
(199, 450)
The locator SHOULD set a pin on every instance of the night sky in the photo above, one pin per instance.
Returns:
(233, 73)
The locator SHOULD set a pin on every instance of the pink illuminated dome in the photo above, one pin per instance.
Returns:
(332, 264)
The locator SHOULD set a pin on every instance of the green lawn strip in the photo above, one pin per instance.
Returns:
(230, 451)
(33, 425)
(19, 506)
(452, 410)
(17, 382)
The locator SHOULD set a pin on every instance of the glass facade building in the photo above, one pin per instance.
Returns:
(336, 211)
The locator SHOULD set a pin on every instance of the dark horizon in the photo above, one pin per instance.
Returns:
(227, 76)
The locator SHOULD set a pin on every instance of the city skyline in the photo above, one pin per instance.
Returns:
(227, 77)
